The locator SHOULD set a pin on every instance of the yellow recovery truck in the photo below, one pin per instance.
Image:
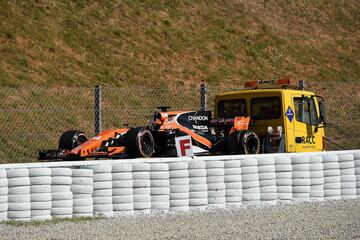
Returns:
(284, 116)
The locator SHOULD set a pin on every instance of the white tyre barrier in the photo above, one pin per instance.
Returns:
(179, 186)
(82, 188)
(19, 207)
(332, 177)
(316, 178)
(62, 197)
(160, 195)
(301, 178)
(3, 195)
(216, 184)
(357, 173)
(347, 176)
(233, 182)
(141, 186)
(250, 181)
(267, 179)
(102, 188)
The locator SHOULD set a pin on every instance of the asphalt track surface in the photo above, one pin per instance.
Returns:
(317, 220)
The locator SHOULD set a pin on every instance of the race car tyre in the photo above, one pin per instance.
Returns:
(39, 172)
(82, 173)
(18, 198)
(243, 142)
(43, 180)
(65, 172)
(71, 139)
(17, 173)
(139, 142)
(17, 190)
(121, 167)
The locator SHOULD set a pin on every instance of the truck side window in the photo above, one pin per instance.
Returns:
(305, 111)
(232, 108)
(265, 108)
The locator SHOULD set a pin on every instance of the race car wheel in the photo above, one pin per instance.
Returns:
(71, 139)
(139, 142)
(243, 142)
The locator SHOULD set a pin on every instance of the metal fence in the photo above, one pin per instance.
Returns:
(34, 118)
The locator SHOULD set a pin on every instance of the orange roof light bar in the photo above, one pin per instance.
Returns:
(283, 83)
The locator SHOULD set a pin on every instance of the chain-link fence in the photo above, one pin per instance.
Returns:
(34, 118)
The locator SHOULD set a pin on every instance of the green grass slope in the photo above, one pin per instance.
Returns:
(117, 43)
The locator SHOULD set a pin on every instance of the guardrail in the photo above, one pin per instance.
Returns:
(40, 191)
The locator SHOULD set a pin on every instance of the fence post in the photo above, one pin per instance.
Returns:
(203, 90)
(97, 109)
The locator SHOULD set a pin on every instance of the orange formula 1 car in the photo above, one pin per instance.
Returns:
(209, 136)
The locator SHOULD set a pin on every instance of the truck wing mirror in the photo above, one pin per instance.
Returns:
(322, 117)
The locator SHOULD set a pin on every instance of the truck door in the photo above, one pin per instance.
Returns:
(305, 119)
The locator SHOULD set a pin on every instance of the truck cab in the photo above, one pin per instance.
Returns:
(285, 117)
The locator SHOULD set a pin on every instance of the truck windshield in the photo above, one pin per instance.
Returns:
(232, 108)
(265, 108)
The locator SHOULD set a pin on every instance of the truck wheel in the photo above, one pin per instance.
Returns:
(139, 142)
(243, 142)
(71, 139)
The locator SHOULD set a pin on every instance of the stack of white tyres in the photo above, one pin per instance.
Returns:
(198, 196)
(19, 194)
(233, 184)
(141, 186)
(316, 178)
(267, 179)
(122, 193)
(357, 172)
(216, 184)
(250, 181)
(82, 189)
(332, 180)
(179, 186)
(160, 187)
(40, 193)
(347, 176)
(62, 197)
(3, 195)
(102, 195)
(301, 178)
(283, 170)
